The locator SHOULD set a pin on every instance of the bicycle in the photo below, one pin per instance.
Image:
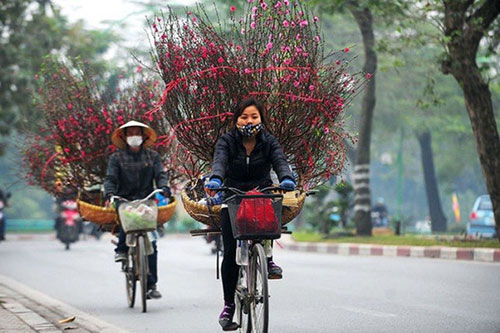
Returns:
(138, 218)
(252, 292)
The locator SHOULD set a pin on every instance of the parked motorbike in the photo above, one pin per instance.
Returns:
(69, 224)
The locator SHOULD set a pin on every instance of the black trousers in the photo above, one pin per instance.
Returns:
(152, 258)
(229, 267)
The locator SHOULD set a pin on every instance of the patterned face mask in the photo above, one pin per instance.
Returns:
(250, 129)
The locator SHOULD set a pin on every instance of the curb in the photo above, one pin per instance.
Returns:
(450, 253)
(50, 236)
(62, 310)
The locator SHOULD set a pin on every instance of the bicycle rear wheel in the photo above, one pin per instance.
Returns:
(130, 280)
(259, 307)
(142, 260)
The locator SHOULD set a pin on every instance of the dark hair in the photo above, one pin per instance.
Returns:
(246, 103)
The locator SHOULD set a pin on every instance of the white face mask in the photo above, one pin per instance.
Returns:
(134, 141)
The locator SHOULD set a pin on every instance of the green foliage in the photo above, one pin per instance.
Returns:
(30, 30)
(406, 240)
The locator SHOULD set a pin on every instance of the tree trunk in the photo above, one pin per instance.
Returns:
(464, 35)
(438, 220)
(362, 202)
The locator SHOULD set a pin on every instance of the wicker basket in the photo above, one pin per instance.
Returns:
(200, 212)
(290, 212)
(107, 215)
(97, 214)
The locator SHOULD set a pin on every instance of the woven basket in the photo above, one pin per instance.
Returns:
(107, 215)
(97, 214)
(200, 213)
(290, 212)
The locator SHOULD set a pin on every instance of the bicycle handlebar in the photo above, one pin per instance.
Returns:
(116, 197)
(240, 192)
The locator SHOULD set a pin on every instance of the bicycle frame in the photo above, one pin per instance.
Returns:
(136, 266)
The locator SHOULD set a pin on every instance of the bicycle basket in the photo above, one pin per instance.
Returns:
(135, 216)
(255, 215)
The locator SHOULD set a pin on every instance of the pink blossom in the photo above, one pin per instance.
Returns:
(337, 62)
(269, 46)
(305, 54)
(278, 4)
(292, 24)
(247, 71)
(70, 106)
(189, 13)
(346, 50)
(232, 8)
(315, 19)
(296, 84)
(298, 50)
(311, 87)
(317, 39)
(303, 23)
(250, 1)
(139, 69)
(297, 37)
(286, 2)
(252, 25)
(368, 76)
(301, 13)
(194, 19)
(263, 4)
(242, 31)
(285, 23)
(254, 10)
(220, 60)
(287, 61)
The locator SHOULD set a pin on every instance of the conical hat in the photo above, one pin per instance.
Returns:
(119, 140)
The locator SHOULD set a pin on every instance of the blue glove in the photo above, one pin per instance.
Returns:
(288, 184)
(215, 200)
(214, 184)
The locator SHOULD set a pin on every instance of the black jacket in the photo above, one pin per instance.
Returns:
(131, 175)
(235, 170)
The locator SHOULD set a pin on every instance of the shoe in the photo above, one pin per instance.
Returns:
(226, 317)
(274, 271)
(120, 256)
(153, 293)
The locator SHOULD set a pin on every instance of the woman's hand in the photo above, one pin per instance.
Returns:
(212, 185)
(288, 184)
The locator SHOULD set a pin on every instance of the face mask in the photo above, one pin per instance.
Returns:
(134, 141)
(250, 129)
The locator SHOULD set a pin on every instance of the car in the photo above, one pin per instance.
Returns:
(482, 221)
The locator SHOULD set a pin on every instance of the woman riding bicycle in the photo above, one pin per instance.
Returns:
(130, 175)
(243, 159)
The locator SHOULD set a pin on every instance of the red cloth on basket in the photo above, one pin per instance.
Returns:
(256, 215)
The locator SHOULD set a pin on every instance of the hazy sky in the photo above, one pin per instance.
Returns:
(99, 14)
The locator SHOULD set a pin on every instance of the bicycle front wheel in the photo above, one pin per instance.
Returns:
(259, 307)
(130, 280)
(142, 260)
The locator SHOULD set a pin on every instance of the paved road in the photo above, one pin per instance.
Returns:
(320, 292)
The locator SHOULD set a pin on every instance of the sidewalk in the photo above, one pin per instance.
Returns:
(23, 309)
(440, 252)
